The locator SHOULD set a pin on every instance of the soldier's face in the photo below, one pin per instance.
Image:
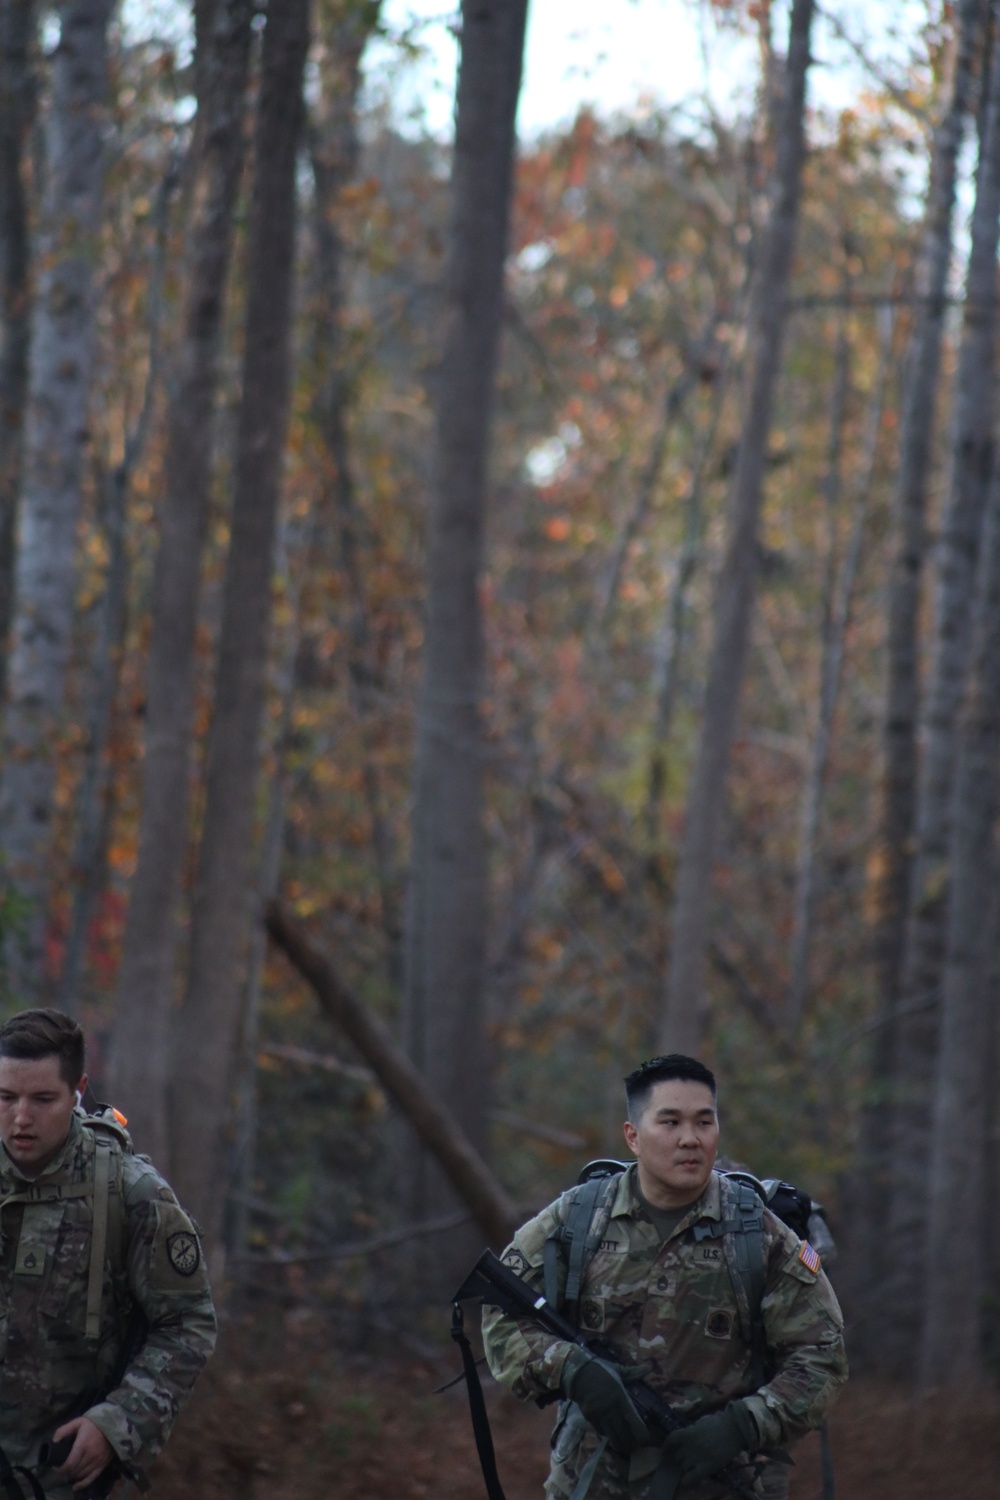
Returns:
(36, 1107)
(675, 1140)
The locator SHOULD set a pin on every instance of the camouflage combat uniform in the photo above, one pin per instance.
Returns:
(51, 1371)
(671, 1309)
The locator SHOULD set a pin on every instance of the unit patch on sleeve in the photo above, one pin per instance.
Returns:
(184, 1253)
(809, 1258)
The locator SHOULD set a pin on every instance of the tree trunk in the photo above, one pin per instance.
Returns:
(296, 545)
(55, 438)
(89, 855)
(670, 645)
(902, 694)
(139, 1060)
(16, 110)
(683, 1016)
(209, 1023)
(334, 150)
(916, 1034)
(840, 594)
(673, 405)
(437, 1126)
(447, 900)
(957, 1182)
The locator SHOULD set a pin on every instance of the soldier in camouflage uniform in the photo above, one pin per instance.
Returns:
(102, 1350)
(659, 1291)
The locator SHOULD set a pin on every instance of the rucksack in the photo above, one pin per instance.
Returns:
(741, 1229)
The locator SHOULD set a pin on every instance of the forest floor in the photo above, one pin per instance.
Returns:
(297, 1419)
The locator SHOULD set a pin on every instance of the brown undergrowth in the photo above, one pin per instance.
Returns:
(300, 1419)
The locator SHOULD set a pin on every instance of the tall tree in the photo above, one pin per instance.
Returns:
(208, 1026)
(333, 152)
(139, 1060)
(837, 607)
(916, 437)
(55, 437)
(447, 901)
(94, 807)
(868, 1253)
(683, 1012)
(958, 1181)
(16, 109)
(917, 1031)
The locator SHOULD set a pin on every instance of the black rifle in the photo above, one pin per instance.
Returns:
(499, 1286)
(53, 1455)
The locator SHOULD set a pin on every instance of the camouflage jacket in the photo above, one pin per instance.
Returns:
(153, 1269)
(671, 1309)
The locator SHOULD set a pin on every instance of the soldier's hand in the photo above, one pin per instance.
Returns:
(90, 1454)
(713, 1441)
(602, 1396)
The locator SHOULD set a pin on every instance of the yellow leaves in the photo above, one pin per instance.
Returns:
(355, 194)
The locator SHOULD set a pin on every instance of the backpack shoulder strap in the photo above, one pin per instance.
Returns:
(742, 1230)
(108, 1221)
(577, 1239)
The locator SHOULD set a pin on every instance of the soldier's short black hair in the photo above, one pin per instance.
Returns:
(640, 1083)
(46, 1033)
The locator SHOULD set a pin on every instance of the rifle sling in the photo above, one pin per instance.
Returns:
(477, 1408)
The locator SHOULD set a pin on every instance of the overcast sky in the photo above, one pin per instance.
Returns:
(611, 54)
(614, 54)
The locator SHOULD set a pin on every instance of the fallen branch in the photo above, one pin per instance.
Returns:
(322, 1060)
(468, 1174)
(568, 1139)
(354, 1249)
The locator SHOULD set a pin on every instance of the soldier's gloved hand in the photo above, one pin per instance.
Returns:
(713, 1441)
(602, 1396)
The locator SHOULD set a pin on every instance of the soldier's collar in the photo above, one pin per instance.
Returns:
(627, 1201)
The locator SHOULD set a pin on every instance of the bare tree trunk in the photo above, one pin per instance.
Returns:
(17, 22)
(334, 150)
(840, 595)
(957, 1182)
(683, 1016)
(294, 553)
(436, 1124)
(55, 437)
(868, 1255)
(209, 1023)
(695, 362)
(670, 646)
(333, 154)
(902, 694)
(89, 862)
(139, 1063)
(447, 906)
(916, 1038)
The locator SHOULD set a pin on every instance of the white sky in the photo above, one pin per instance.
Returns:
(611, 54)
(614, 54)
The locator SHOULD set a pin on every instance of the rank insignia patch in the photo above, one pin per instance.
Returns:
(809, 1258)
(184, 1253)
(719, 1325)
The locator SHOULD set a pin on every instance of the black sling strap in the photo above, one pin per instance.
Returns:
(477, 1408)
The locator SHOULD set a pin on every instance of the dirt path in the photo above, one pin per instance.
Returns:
(306, 1426)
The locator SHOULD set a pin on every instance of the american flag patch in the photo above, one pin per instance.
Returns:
(808, 1257)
